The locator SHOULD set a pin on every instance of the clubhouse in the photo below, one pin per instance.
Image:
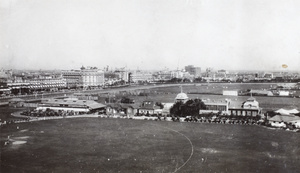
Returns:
(249, 108)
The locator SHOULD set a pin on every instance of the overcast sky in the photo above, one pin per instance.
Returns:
(150, 34)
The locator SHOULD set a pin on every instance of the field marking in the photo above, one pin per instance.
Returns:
(192, 146)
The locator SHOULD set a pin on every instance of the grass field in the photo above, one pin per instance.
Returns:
(125, 145)
(5, 112)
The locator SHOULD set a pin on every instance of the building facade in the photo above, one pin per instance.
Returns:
(196, 71)
(139, 76)
(27, 83)
(221, 107)
(249, 108)
(92, 78)
(73, 78)
(84, 78)
(70, 105)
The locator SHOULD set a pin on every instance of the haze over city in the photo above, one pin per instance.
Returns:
(232, 35)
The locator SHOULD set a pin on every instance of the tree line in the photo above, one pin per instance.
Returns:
(189, 108)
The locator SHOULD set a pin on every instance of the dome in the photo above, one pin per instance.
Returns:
(251, 103)
(181, 96)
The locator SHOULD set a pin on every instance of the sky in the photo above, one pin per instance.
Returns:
(150, 34)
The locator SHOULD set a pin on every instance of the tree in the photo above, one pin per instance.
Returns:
(198, 79)
(175, 80)
(176, 109)
(159, 104)
(191, 107)
(186, 80)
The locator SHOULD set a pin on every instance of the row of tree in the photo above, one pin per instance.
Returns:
(189, 108)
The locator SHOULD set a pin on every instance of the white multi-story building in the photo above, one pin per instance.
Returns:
(92, 78)
(122, 74)
(141, 76)
(47, 83)
(177, 74)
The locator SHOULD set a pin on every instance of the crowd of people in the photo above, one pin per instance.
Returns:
(50, 113)
(211, 119)
(227, 120)
(31, 115)
(12, 121)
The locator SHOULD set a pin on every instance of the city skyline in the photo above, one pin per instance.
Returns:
(150, 35)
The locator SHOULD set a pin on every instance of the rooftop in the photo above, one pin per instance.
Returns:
(181, 96)
(284, 118)
(90, 103)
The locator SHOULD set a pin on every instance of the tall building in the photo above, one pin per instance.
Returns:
(196, 71)
(73, 78)
(84, 78)
(122, 74)
(92, 77)
(141, 76)
(162, 75)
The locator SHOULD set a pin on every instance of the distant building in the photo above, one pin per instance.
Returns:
(178, 74)
(230, 92)
(283, 93)
(219, 76)
(122, 74)
(297, 86)
(181, 97)
(292, 111)
(21, 83)
(285, 117)
(196, 71)
(149, 108)
(209, 73)
(71, 105)
(73, 78)
(92, 78)
(162, 76)
(250, 103)
(268, 75)
(223, 71)
(5, 78)
(121, 109)
(141, 76)
(47, 83)
(286, 86)
(84, 78)
(261, 93)
(249, 108)
(215, 107)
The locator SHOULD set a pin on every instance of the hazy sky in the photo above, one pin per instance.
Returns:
(150, 34)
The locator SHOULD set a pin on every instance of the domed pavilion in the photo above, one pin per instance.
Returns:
(181, 97)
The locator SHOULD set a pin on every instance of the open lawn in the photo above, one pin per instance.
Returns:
(126, 145)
